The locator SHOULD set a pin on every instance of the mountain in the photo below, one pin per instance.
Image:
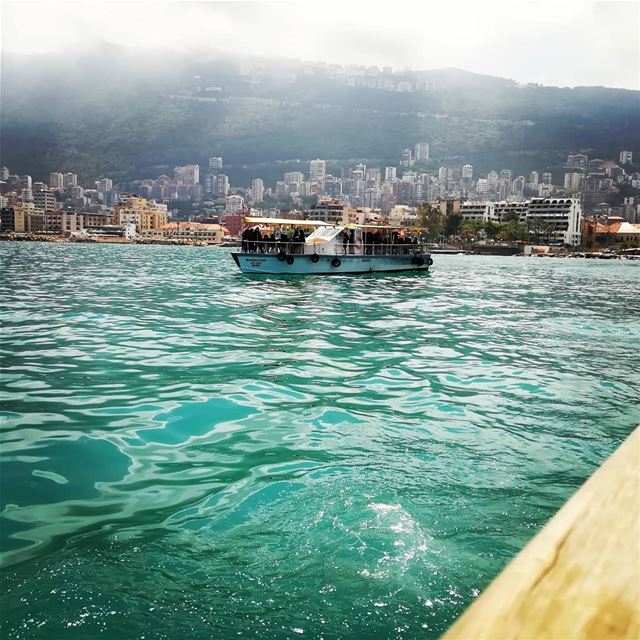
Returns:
(113, 112)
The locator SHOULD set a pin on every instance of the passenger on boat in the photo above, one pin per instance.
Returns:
(298, 241)
(252, 236)
(284, 241)
(345, 240)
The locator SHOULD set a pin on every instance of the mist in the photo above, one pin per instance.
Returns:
(557, 44)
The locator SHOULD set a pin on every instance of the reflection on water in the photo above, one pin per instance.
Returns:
(187, 450)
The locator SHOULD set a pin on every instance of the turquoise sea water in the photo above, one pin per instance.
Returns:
(190, 452)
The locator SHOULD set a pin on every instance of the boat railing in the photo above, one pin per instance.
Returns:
(300, 248)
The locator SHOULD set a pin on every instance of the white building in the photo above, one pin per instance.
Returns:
(509, 210)
(467, 171)
(222, 185)
(577, 161)
(56, 180)
(390, 174)
(70, 180)
(517, 186)
(562, 215)
(293, 176)
(317, 170)
(422, 151)
(187, 175)
(493, 179)
(625, 157)
(547, 178)
(561, 218)
(257, 190)
(234, 204)
(215, 163)
(406, 159)
(477, 211)
(104, 185)
(573, 181)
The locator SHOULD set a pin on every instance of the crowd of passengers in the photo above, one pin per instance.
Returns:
(255, 240)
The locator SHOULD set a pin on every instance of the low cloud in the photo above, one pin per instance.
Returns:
(566, 44)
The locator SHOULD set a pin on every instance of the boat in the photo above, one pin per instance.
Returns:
(329, 248)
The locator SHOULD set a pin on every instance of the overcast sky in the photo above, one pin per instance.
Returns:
(563, 43)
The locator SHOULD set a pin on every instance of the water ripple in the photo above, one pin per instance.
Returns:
(186, 450)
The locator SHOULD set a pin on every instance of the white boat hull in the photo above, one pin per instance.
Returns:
(329, 264)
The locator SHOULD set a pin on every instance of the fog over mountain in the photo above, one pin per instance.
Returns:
(131, 113)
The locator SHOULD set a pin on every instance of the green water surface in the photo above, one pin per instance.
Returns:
(188, 452)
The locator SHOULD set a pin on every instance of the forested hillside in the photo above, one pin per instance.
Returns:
(121, 115)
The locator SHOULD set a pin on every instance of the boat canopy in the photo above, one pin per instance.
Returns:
(389, 227)
(285, 221)
(324, 234)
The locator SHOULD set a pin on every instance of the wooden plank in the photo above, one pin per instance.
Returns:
(580, 576)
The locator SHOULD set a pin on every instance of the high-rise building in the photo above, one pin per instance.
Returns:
(25, 182)
(317, 170)
(573, 181)
(577, 161)
(422, 151)
(45, 200)
(533, 177)
(626, 157)
(234, 204)
(505, 174)
(281, 190)
(293, 176)
(390, 174)
(517, 187)
(222, 185)
(70, 180)
(210, 183)
(406, 160)
(56, 181)
(104, 184)
(4, 174)
(493, 179)
(547, 178)
(443, 175)
(215, 163)
(333, 187)
(467, 171)
(373, 175)
(187, 175)
(257, 190)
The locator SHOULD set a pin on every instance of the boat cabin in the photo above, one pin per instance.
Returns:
(314, 237)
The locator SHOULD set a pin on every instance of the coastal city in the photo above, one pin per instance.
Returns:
(584, 206)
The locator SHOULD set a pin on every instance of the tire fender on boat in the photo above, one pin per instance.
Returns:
(282, 256)
(290, 259)
(314, 258)
(430, 261)
(336, 262)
